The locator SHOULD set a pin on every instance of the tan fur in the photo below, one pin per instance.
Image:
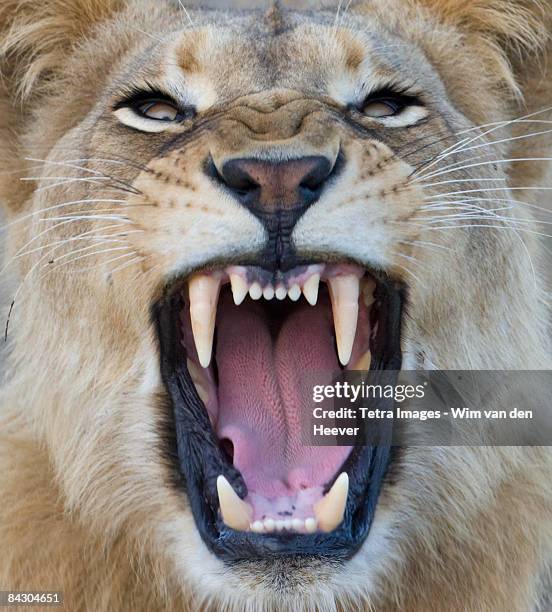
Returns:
(89, 500)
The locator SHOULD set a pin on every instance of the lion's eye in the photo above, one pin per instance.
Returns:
(382, 108)
(393, 108)
(158, 110)
(152, 112)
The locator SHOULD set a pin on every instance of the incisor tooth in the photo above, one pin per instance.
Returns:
(281, 292)
(344, 293)
(255, 291)
(239, 288)
(268, 292)
(294, 293)
(235, 512)
(269, 524)
(203, 292)
(310, 289)
(310, 525)
(330, 509)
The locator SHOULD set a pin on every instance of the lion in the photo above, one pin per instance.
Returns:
(204, 205)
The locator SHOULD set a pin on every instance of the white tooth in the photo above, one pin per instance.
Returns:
(364, 362)
(269, 524)
(310, 525)
(281, 292)
(280, 525)
(268, 292)
(344, 293)
(255, 291)
(330, 509)
(297, 524)
(288, 524)
(294, 293)
(239, 288)
(203, 292)
(310, 289)
(257, 527)
(235, 512)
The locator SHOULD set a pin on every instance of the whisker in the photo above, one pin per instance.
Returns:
(190, 22)
(57, 206)
(458, 148)
(485, 163)
(422, 243)
(94, 253)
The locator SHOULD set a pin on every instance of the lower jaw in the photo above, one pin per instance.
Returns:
(200, 460)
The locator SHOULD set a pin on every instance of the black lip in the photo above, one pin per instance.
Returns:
(200, 460)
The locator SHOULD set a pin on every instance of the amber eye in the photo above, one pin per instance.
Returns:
(159, 110)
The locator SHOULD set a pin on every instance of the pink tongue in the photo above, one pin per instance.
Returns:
(264, 395)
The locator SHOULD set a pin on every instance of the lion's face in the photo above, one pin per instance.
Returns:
(247, 200)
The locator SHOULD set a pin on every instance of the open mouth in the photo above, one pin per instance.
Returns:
(238, 345)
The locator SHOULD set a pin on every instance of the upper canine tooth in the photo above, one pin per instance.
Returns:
(239, 288)
(344, 293)
(203, 291)
(236, 513)
(330, 509)
(310, 289)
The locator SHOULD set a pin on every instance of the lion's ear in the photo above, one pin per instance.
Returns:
(35, 36)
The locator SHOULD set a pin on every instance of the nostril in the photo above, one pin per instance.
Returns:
(237, 178)
(318, 174)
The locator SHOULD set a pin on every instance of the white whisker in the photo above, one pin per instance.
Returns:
(485, 163)
(57, 206)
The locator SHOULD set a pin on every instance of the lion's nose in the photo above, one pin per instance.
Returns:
(283, 188)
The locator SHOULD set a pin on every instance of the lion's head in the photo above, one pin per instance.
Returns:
(203, 207)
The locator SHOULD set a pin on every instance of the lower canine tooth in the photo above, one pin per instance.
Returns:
(310, 289)
(203, 293)
(330, 509)
(235, 512)
(344, 293)
(239, 288)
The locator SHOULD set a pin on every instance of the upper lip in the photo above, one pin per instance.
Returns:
(201, 461)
